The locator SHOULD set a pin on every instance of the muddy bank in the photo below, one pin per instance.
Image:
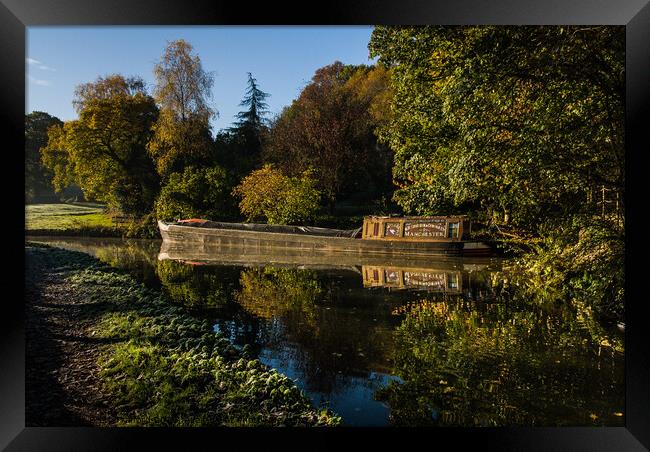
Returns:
(62, 383)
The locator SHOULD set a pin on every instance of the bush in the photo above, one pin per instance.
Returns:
(196, 192)
(143, 228)
(585, 260)
(268, 194)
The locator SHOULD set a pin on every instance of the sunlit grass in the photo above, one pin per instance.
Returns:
(66, 216)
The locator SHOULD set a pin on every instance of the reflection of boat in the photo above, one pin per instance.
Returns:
(430, 279)
(254, 256)
(379, 236)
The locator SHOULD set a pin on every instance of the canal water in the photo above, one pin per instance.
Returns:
(453, 342)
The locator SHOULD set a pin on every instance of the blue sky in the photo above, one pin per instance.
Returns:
(282, 59)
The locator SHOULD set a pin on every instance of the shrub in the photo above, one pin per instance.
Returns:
(196, 192)
(268, 194)
(585, 260)
(143, 228)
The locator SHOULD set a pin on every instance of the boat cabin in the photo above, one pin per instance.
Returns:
(416, 229)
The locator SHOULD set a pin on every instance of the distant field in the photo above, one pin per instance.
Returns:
(66, 216)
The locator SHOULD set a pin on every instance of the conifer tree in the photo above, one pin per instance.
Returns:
(250, 127)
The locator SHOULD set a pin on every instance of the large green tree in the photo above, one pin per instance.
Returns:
(523, 124)
(522, 127)
(330, 127)
(38, 179)
(182, 134)
(104, 150)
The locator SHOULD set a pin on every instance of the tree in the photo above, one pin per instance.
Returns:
(104, 151)
(515, 122)
(330, 127)
(269, 194)
(38, 179)
(196, 192)
(522, 127)
(182, 134)
(242, 143)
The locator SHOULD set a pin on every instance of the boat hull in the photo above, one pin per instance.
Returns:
(202, 239)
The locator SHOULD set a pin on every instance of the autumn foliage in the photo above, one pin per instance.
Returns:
(270, 195)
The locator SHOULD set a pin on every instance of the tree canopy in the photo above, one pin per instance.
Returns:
(516, 122)
(38, 179)
(523, 128)
(182, 134)
(330, 127)
(104, 151)
(256, 108)
(196, 192)
(269, 194)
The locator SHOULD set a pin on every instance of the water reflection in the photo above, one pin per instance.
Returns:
(197, 286)
(138, 256)
(468, 364)
(447, 343)
(429, 279)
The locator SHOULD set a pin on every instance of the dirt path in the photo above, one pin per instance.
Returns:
(62, 388)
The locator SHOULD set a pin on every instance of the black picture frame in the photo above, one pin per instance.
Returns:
(16, 15)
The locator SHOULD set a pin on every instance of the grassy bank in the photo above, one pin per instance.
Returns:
(85, 220)
(66, 216)
(159, 366)
(93, 220)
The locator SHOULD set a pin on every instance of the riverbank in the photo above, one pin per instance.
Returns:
(85, 220)
(93, 220)
(103, 350)
(78, 219)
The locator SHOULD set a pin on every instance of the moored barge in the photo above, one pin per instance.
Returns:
(379, 236)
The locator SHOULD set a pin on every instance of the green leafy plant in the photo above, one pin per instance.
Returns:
(196, 192)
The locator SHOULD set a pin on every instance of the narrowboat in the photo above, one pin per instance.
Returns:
(385, 236)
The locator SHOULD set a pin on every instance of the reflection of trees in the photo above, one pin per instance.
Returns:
(129, 254)
(490, 365)
(335, 338)
(197, 286)
(139, 257)
(274, 292)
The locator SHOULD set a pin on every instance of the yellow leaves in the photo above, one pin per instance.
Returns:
(176, 141)
(182, 86)
(268, 193)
